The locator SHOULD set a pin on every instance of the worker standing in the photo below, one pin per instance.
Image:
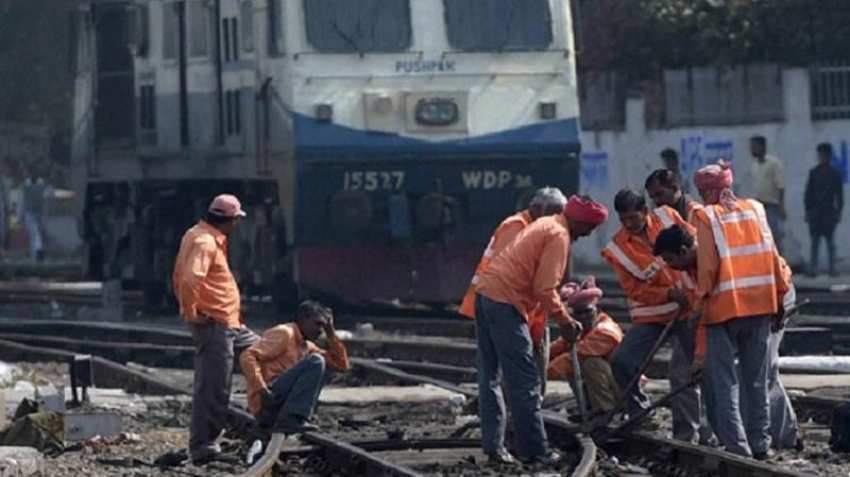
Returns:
(546, 201)
(210, 305)
(527, 272)
(688, 407)
(656, 295)
(677, 247)
(739, 280)
(599, 338)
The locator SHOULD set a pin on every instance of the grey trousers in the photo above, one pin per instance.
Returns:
(783, 420)
(215, 349)
(294, 394)
(505, 349)
(632, 352)
(689, 417)
(738, 403)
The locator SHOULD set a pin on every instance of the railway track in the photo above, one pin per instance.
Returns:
(666, 456)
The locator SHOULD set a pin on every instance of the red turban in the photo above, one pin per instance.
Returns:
(581, 296)
(714, 177)
(585, 210)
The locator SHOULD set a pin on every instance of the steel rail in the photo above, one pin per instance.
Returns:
(355, 460)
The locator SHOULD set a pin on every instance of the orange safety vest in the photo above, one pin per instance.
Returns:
(748, 279)
(514, 224)
(599, 341)
(636, 259)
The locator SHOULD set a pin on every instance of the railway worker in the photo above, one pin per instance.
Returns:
(678, 249)
(527, 272)
(599, 338)
(285, 370)
(546, 201)
(210, 305)
(664, 188)
(656, 295)
(739, 279)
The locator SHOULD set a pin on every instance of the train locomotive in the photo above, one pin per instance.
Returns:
(375, 143)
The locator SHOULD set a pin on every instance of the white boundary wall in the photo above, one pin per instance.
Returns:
(612, 160)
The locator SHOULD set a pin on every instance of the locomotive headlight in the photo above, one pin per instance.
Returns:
(437, 111)
(548, 110)
(324, 112)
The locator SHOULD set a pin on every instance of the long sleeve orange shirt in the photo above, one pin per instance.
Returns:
(530, 269)
(281, 348)
(202, 280)
(600, 342)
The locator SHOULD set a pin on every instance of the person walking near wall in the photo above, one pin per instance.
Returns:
(824, 202)
(34, 191)
(670, 159)
(768, 175)
(210, 305)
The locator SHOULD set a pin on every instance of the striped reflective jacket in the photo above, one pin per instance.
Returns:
(645, 278)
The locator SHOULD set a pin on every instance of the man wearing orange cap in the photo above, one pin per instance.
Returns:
(546, 201)
(599, 338)
(210, 305)
(740, 277)
(528, 272)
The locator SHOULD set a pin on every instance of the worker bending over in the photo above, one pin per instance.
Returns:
(546, 201)
(599, 338)
(285, 370)
(526, 273)
(740, 278)
(678, 249)
(656, 295)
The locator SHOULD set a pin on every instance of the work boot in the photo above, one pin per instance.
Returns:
(763, 456)
(501, 457)
(550, 459)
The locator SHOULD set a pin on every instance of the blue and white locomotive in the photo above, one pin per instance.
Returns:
(376, 143)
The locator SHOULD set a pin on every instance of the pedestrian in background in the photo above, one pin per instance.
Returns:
(824, 202)
(670, 159)
(768, 176)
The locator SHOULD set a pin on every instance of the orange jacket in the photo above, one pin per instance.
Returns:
(202, 281)
(529, 270)
(281, 348)
(599, 341)
(505, 233)
(645, 278)
(739, 270)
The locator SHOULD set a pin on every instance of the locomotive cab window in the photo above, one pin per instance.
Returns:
(365, 26)
(498, 25)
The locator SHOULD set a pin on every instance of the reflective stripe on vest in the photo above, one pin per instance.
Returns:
(664, 217)
(631, 266)
(758, 215)
(745, 282)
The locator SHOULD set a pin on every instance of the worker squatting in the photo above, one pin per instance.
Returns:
(708, 276)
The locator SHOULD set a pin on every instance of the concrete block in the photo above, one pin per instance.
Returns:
(18, 461)
(83, 426)
(51, 398)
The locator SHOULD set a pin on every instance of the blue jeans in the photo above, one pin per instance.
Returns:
(738, 404)
(294, 394)
(504, 347)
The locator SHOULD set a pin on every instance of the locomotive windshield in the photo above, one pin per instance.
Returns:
(363, 26)
(498, 25)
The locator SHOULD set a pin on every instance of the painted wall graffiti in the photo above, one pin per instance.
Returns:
(696, 151)
(594, 170)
